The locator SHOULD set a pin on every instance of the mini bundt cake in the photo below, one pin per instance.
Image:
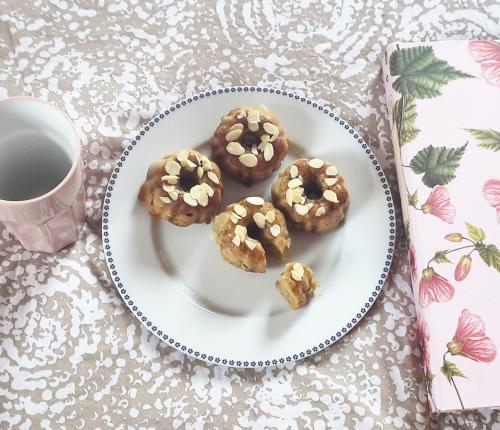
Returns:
(249, 228)
(297, 284)
(312, 195)
(183, 188)
(249, 144)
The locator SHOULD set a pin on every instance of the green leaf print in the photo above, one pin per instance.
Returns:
(437, 164)
(490, 255)
(488, 139)
(477, 234)
(420, 73)
(404, 115)
(450, 370)
(440, 257)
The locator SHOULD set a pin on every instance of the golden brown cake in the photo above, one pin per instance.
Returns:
(297, 284)
(249, 228)
(312, 195)
(249, 144)
(183, 188)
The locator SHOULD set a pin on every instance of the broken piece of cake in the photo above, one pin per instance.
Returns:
(297, 284)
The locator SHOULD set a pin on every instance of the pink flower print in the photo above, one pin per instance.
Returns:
(487, 54)
(434, 288)
(491, 192)
(412, 261)
(423, 339)
(463, 268)
(470, 339)
(438, 204)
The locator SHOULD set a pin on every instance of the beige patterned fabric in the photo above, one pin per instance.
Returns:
(71, 354)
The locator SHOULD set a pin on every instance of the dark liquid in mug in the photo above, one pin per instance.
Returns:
(31, 165)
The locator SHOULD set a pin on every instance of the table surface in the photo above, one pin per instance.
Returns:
(71, 354)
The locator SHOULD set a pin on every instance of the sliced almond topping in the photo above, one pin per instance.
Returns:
(330, 196)
(302, 199)
(261, 146)
(206, 161)
(254, 116)
(173, 194)
(289, 197)
(240, 210)
(275, 230)
(233, 135)
(268, 152)
(171, 179)
(182, 156)
(296, 276)
(255, 152)
(199, 171)
(251, 243)
(168, 188)
(264, 138)
(234, 148)
(191, 166)
(237, 126)
(241, 232)
(189, 200)
(199, 194)
(241, 115)
(172, 167)
(294, 183)
(270, 128)
(273, 137)
(330, 181)
(208, 189)
(165, 199)
(332, 171)
(236, 240)
(297, 272)
(256, 201)
(301, 209)
(198, 161)
(298, 196)
(270, 216)
(248, 160)
(259, 219)
(298, 268)
(316, 163)
(253, 126)
(294, 171)
(234, 218)
(320, 211)
(213, 177)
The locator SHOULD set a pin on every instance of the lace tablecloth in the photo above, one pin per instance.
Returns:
(71, 354)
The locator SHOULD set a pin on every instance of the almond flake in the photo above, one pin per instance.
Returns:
(320, 211)
(248, 160)
(301, 209)
(165, 199)
(190, 164)
(256, 201)
(259, 219)
(236, 240)
(182, 156)
(173, 194)
(213, 177)
(296, 276)
(330, 181)
(239, 210)
(251, 243)
(254, 116)
(241, 232)
(206, 161)
(253, 126)
(297, 195)
(198, 161)
(171, 179)
(289, 197)
(198, 193)
(330, 196)
(264, 138)
(273, 137)
(189, 200)
(237, 126)
(294, 171)
(255, 152)
(233, 135)
(172, 167)
(234, 148)
(332, 171)
(234, 218)
(261, 146)
(168, 188)
(298, 268)
(208, 189)
(241, 115)
(275, 230)
(294, 183)
(270, 216)
(316, 163)
(199, 171)
(268, 152)
(270, 128)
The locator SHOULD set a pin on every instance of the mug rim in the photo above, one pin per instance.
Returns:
(76, 159)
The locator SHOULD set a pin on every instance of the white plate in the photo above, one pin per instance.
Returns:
(174, 280)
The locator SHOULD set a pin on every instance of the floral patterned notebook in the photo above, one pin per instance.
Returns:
(444, 106)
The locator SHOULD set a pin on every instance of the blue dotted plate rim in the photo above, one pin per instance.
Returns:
(221, 360)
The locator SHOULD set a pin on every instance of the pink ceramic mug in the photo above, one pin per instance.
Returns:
(41, 174)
